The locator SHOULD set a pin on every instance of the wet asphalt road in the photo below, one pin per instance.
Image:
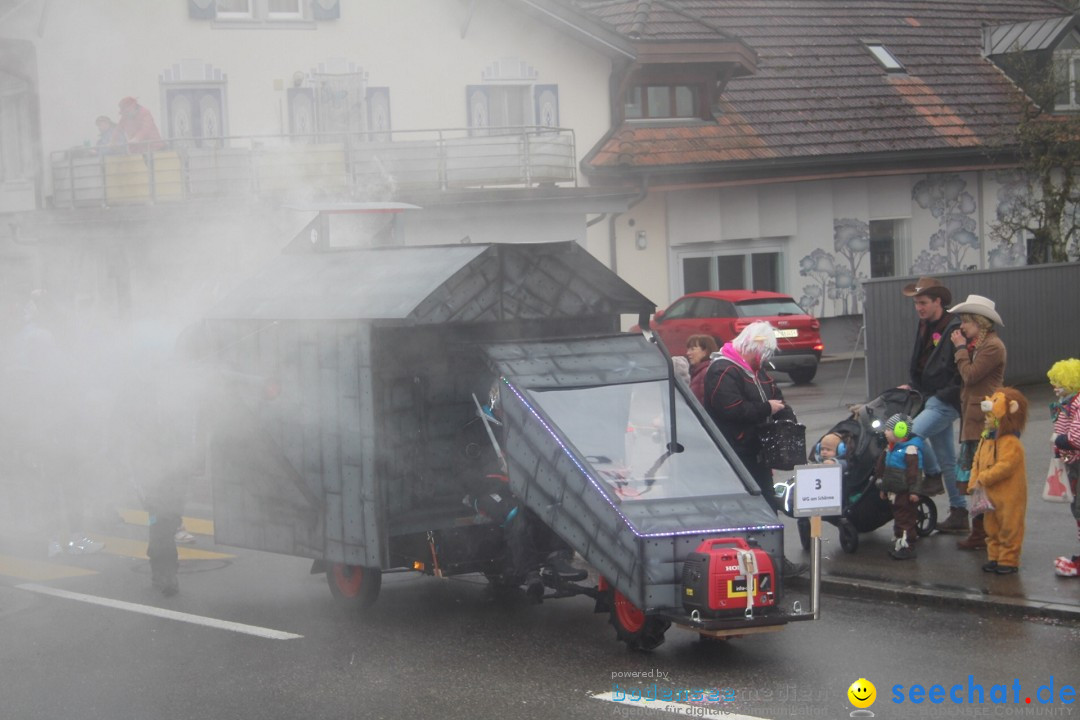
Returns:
(450, 649)
(432, 648)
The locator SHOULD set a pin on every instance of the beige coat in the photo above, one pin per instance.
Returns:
(983, 372)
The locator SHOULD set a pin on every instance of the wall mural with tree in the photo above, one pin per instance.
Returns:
(833, 280)
(949, 202)
(1012, 187)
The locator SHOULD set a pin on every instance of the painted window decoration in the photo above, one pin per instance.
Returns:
(948, 201)
(195, 113)
(510, 99)
(495, 109)
(837, 278)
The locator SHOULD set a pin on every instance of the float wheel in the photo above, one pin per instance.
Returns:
(633, 627)
(354, 586)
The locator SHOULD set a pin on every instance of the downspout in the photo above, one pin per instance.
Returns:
(642, 194)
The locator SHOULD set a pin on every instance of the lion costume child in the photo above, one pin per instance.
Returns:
(999, 468)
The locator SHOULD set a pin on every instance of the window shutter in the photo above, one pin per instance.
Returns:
(378, 113)
(547, 105)
(302, 123)
(326, 9)
(202, 9)
(479, 109)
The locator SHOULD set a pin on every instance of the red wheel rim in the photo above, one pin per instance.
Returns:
(349, 579)
(629, 616)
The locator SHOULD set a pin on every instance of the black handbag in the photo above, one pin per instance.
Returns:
(783, 444)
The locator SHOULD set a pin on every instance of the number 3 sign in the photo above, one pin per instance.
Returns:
(818, 490)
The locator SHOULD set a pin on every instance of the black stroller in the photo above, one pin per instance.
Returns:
(863, 508)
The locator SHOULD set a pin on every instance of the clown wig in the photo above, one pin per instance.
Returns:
(1065, 374)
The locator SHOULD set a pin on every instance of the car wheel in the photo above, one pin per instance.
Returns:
(802, 376)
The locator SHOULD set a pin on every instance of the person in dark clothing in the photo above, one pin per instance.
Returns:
(699, 350)
(164, 446)
(933, 373)
(740, 396)
(527, 537)
(492, 498)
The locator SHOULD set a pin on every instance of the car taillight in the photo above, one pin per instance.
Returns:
(739, 325)
(815, 324)
(819, 347)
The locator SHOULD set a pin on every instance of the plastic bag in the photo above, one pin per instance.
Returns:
(1057, 488)
(980, 502)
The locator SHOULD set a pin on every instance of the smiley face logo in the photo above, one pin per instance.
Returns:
(862, 693)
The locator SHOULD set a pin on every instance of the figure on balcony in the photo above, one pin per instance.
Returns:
(111, 139)
(139, 127)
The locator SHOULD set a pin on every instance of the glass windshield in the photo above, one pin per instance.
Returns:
(624, 432)
(768, 307)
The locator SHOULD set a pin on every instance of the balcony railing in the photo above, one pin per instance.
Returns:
(352, 167)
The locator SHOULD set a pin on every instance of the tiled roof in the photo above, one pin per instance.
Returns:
(818, 93)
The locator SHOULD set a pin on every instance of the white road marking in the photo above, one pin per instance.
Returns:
(684, 709)
(162, 613)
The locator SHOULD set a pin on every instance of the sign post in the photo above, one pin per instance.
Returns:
(818, 491)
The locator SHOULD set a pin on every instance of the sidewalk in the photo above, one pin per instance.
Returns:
(943, 575)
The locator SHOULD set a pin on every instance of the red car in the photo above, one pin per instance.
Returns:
(724, 313)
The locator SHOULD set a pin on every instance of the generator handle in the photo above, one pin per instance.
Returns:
(712, 542)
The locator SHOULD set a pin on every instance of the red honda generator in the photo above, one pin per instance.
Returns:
(715, 578)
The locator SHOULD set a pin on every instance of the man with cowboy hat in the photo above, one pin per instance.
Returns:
(933, 373)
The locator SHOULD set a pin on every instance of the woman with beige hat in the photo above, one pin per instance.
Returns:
(980, 359)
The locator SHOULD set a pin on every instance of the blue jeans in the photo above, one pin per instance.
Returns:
(935, 424)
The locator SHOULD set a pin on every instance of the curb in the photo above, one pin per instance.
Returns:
(931, 596)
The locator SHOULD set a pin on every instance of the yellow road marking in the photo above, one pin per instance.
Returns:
(196, 526)
(125, 547)
(25, 569)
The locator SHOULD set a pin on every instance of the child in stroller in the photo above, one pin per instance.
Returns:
(863, 508)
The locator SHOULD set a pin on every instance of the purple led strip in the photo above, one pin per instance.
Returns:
(603, 493)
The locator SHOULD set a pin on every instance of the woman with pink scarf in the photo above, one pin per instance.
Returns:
(740, 396)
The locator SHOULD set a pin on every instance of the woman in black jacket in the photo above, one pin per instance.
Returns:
(740, 396)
